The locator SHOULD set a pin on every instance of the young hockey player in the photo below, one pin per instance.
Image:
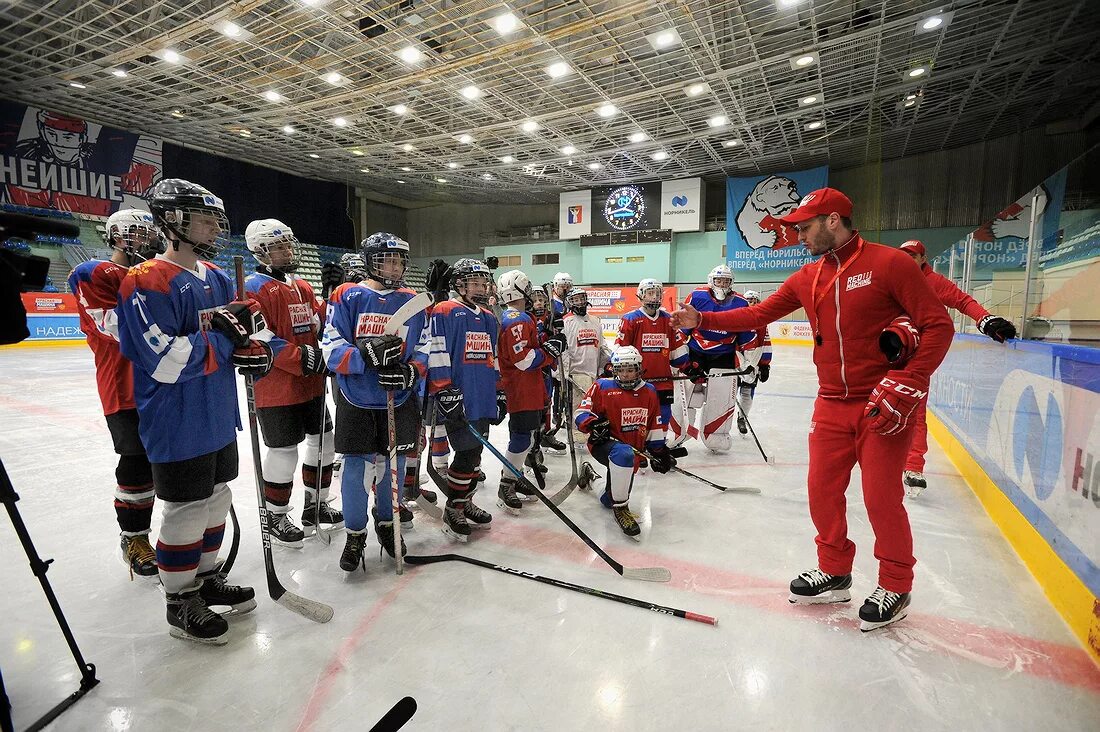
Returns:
(289, 403)
(990, 325)
(586, 355)
(710, 351)
(562, 283)
(463, 376)
(521, 361)
(368, 364)
(617, 414)
(650, 331)
(757, 352)
(182, 329)
(132, 239)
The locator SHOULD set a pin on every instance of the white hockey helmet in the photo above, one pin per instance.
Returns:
(721, 272)
(264, 235)
(752, 295)
(577, 301)
(650, 290)
(515, 285)
(626, 365)
(563, 280)
(132, 230)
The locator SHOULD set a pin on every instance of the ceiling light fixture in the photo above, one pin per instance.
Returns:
(399, 109)
(465, 139)
(364, 170)
(595, 166)
(918, 71)
(607, 110)
(406, 168)
(806, 101)
(334, 78)
(408, 147)
(358, 152)
(171, 56)
(314, 155)
(230, 29)
(440, 180)
(694, 90)
(288, 129)
(470, 92)
(816, 125)
(718, 120)
(340, 121)
(934, 23)
(507, 159)
(530, 126)
(77, 85)
(558, 69)
(568, 150)
(178, 114)
(659, 155)
(401, 182)
(452, 166)
(273, 96)
(410, 54)
(638, 137)
(803, 60)
(731, 143)
(505, 23)
(120, 73)
(663, 40)
(487, 176)
(245, 133)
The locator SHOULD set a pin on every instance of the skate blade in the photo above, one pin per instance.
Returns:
(913, 492)
(635, 537)
(509, 509)
(407, 526)
(481, 527)
(867, 626)
(288, 544)
(220, 640)
(233, 610)
(824, 598)
(461, 538)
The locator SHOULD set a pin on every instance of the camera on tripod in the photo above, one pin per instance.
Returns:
(21, 272)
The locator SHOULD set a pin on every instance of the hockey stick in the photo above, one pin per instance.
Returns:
(574, 479)
(234, 545)
(321, 534)
(748, 424)
(440, 482)
(315, 611)
(650, 574)
(715, 375)
(662, 609)
(701, 479)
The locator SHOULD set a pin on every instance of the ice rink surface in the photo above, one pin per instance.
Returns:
(982, 649)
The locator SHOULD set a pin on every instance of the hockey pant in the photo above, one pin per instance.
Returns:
(190, 536)
(134, 494)
(620, 462)
(919, 447)
(838, 440)
(279, 465)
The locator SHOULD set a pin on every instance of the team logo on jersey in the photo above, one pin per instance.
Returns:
(371, 324)
(633, 418)
(479, 349)
(587, 337)
(204, 318)
(654, 341)
(301, 317)
(860, 280)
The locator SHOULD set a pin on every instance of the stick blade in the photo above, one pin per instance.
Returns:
(559, 498)
(318, 612)
(648, 574)
(429, 508)
(699, 618)
(743, 489)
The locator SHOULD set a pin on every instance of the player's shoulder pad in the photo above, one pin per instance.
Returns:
(151, 275)
(646, 386)
(210, 266)
(511, 315)
(406, 291)
(446, 307)
(341, 292)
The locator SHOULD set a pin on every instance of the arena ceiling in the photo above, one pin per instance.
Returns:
(429, 100)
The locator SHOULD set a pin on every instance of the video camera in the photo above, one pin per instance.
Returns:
(23, 272)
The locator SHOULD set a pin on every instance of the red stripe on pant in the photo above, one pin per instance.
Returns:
(277, 494)
(918, 425)
(839, 439)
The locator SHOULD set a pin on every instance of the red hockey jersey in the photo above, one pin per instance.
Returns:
(521, 362)
(95, 285)
(634, 414)
(661, 345)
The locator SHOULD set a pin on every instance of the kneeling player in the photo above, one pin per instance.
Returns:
(368, 364)
(619, 414)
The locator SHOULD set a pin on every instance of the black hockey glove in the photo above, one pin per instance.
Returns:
(238, 320)
(449, 402)
(332, 275)
(399, 377)
(599, 431)
(313, 360)
(765, 372)
(380, 351)
(502, 407)
(555, 345)
(557, 324)
(254, 359)
(693, 370)
(997, 328)
(661, 460)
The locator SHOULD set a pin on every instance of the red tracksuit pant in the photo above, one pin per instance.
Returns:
(839, 439)
(919, 427)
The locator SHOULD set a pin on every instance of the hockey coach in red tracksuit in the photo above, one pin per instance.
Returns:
(863, 407)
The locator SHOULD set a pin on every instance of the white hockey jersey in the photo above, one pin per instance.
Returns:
(584, 339)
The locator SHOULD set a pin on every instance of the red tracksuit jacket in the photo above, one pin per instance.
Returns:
(952, 296)
(876, 284)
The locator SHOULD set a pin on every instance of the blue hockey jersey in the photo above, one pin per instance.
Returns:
(357, 311)
(184, 383)
(715, 342)
(463, 352)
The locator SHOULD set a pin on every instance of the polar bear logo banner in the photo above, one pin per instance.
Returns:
(755, 240)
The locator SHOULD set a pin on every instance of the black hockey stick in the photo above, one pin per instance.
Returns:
(662, 609)
(715, 375)
(234, 544)
(701, 479)
(748, 424)
(321, 534)
(650, 574)
(315, 611)
(574, 478)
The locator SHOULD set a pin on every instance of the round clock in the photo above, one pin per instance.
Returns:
(624, 208)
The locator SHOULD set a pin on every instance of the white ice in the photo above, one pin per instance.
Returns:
(479, 650)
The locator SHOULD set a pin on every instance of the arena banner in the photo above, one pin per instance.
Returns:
(610, 304)
(1029, 414)
(794, 331)
(54, 160)
(677, 205)
(52, 316)
(755, 240)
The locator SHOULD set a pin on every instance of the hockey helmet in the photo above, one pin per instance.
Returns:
(515, 285)
(132, 231)
(187, 212)
(265, 235)
(469, 271)
(577, 301)
(355, 269)
(563, 280)
(626, 365)
(720, 281)
(386, 256)
(650, 290)
(752, 296)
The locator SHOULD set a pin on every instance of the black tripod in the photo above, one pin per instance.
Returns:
(8, 497)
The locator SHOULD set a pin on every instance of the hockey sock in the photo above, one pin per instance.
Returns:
(519, 444)
(441, 447)
(278, 469)
(666, 414)
(134, 494)
(309, 463)
(179, 546)
(745, 402)
(218, 507)
(353, 490)
(620, 466)
(383, 491)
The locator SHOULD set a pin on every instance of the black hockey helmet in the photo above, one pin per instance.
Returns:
(467, 269)
(380, 247)
(175, 203)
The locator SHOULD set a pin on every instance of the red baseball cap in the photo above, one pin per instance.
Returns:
(821, 202)
(913, 247)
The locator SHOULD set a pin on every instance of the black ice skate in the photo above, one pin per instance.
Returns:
(478, 517)
(330, 518)
(507, 498)
(383, 531)
(454, 520)
(190, 619)
(627, 522)
(139, 556)
(284, 532)
(817, 588)
(352, 556)
(914, 483)
(742, 425)
(882, 608)
(587, 477)
(406, 515)
(553, 445)
(216, 593)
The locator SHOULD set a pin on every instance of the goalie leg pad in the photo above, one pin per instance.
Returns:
(718, 412)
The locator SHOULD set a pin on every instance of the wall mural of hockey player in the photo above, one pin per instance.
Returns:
(53, 160)
(758, 240)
